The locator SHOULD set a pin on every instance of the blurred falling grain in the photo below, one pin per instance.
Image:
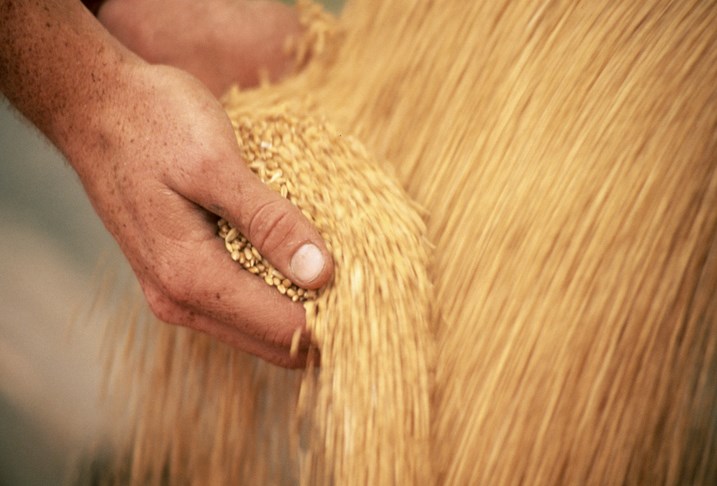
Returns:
(566, 155)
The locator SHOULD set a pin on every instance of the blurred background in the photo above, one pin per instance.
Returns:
(53, 253)
(51, 243)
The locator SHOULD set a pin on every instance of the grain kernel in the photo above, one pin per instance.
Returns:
(232, 234)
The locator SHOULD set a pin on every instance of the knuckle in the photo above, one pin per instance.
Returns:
(161, 306)
(175, 284)
(178, 292)
(273, 225)
(206, 163)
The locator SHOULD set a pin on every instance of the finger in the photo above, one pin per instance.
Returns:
(283, 356)
(193, 281)
(258, 321)
(205, 281)
(195, 278)
(271, 223)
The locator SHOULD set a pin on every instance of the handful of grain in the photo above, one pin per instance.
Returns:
(244, 253)
(266, 145)
(363, 417)
(367, 408)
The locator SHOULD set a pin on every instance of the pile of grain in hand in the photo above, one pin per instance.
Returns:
(371, 322)
(243, 252)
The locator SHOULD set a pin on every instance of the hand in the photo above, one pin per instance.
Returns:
(220, 42)
(167, 158)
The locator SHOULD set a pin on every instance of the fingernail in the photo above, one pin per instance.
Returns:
(307, 263)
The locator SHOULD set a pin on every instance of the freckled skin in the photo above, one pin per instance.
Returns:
(153, 148)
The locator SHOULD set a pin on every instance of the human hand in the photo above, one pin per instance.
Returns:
(165, 160)
(220, 42)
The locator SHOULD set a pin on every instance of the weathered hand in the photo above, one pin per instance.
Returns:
(218, 41)
(157, 155)
(166, 158)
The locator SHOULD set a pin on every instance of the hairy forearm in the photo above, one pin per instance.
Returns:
(57, 66)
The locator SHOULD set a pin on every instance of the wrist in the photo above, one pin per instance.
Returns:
(87, 131)
(87, 104)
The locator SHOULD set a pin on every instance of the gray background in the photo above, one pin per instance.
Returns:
(51, 243)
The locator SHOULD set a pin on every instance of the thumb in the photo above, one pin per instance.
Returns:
(277, 229)
(282, 235)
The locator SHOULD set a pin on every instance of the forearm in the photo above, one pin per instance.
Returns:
(58, 66)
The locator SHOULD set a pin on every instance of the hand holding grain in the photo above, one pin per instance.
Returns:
(159, 161)
(168, 163)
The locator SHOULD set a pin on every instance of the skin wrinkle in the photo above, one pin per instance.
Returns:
(269, 227)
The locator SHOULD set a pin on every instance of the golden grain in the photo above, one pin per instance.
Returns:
(295, 338)
(568, 158)
(232, 234)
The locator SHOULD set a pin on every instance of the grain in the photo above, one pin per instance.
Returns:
(295, 343)
(356, 312)
(567, 154)
(244, 253)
